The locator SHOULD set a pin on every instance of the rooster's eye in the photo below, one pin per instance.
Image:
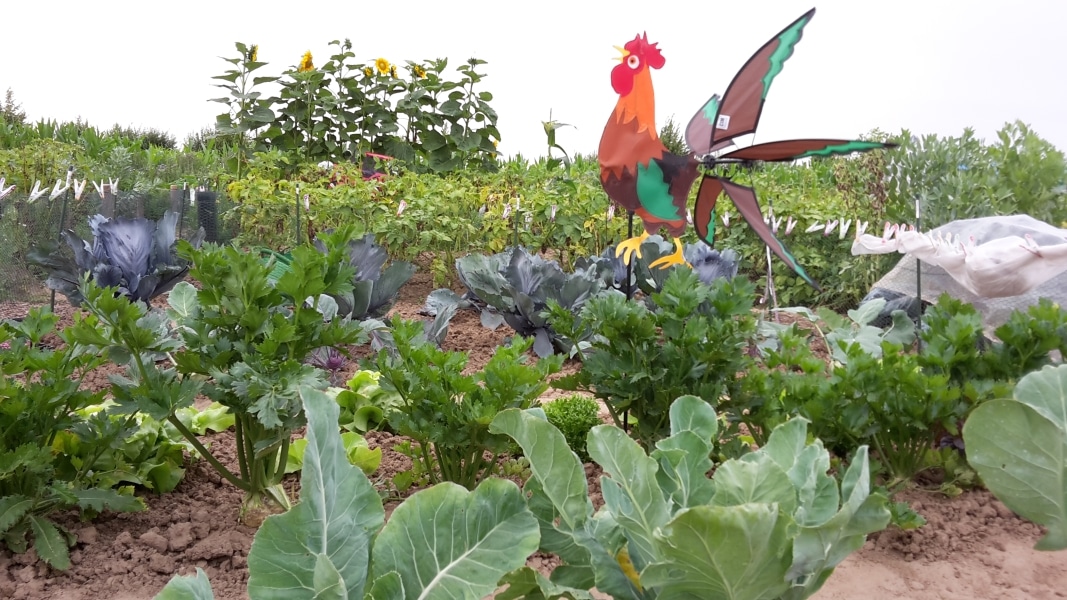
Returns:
(633, 61)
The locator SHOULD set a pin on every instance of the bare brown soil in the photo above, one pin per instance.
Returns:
(972, 546)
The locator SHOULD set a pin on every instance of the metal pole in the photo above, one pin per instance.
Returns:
(630, 264)
(62, 220)
(629, 296)
(918, 281)
(181, 209)
(297, 215)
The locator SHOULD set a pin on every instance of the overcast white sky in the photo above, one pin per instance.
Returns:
(931, 66)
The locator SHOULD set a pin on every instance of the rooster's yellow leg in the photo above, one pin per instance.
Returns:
(671, 259)
(626, 249)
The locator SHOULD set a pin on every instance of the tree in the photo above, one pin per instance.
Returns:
(11, 111)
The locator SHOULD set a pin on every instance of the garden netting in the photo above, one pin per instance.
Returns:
(25, 224)
(998, 264)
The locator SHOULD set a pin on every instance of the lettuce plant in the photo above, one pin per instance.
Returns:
(442, 542)
(135, 256)
(1019, 448)
(771, 524)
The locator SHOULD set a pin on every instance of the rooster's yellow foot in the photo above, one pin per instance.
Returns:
(626, 249)
(671, 259)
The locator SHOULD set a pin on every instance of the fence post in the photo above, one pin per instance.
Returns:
(175, 199)
(139, 207)
(107, 208)
(207, 214)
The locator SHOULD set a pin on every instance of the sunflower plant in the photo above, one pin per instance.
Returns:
(247, 111)
(344, 108)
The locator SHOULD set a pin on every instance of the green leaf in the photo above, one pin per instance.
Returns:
(552, 462)
(753, 480)
(722, 552)
(50, 544)
(1046, 393)
(187, 587)
(446, 542)
(527, 584)
(98, 499)
(183, 302)
(690, 413)
(12, 509)
(337, 516)
(631, 493)
(1021, 457)
(867, 312)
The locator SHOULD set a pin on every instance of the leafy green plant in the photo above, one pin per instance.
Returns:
(574, 416)
(693, 340)
(962, 177)
(446, 412)
(516, 287)
(241, 339)
(772, 524)
(838, 332)
(136, 256)
(1019, 448)
(333, 544)
(357, 451)
(374, 289)
(55, 453)
(343, 109)
(364, 403)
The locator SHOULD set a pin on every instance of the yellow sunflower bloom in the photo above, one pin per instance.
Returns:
(369, 72)
(253, 53)
(392, 71)
(305, 63)
(419, 71)
(382, 65)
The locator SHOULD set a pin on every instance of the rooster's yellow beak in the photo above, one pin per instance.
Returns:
(623, 51)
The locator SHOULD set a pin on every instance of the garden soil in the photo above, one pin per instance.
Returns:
(972, 546)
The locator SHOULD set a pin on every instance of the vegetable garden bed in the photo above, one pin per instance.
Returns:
(971, 547)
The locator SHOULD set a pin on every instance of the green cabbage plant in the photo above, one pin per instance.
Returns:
(771, 524)
(442, 542)
(1019, 448)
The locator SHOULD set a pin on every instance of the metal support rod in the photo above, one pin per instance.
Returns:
(630, 264)
(62, 221)
(629, 296)
(918, 282)
(297, 227)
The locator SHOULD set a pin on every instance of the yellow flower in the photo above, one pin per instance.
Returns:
(305, 63)
(392, 71)
(369, 72)
(253, 54)
(419, 71)
(382, 65)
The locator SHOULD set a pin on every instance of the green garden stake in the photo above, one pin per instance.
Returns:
(297, 216)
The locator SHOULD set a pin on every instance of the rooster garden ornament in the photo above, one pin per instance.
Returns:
(640, 175)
